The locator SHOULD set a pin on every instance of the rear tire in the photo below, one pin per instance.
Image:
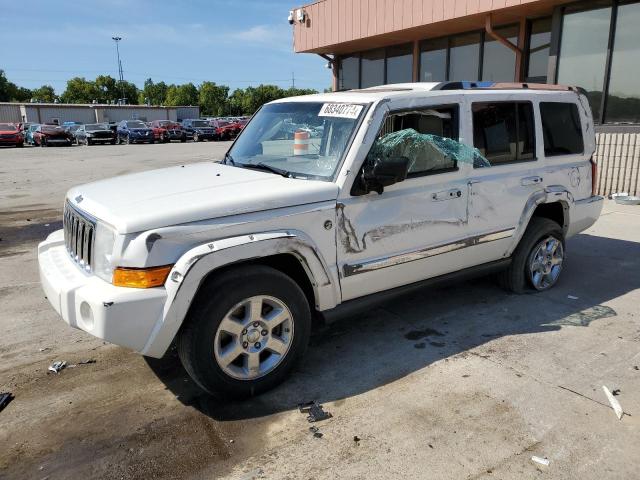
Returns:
(280, 319)
(520, 276)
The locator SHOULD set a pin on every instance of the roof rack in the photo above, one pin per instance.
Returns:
(502, 86)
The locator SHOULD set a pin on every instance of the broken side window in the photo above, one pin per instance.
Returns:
(428, 138)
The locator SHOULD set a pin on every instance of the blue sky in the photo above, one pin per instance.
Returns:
(237, 43)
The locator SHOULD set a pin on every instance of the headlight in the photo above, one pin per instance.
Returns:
(103, 244)
(89, 134)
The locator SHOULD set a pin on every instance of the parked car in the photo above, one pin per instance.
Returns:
(134, 131)
(198, 130)
(166, 130)
(95, 133)
(224, 130)
(11, 134)
(28, 133)
(72, 129)
(50, 135)
(405, 187)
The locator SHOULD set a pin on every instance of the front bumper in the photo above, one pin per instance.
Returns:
(118, 315)
(584, 213)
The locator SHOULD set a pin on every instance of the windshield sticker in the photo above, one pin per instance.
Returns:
(340, 110)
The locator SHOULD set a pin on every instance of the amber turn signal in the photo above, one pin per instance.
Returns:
(141, 277)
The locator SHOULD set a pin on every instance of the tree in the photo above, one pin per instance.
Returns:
(80, 90)
(103, 89)
(45, 93)
(130, 92)
(186, 94)
(106, 89)
(5, 87)
(10, 92)
(213, 98)
(153, 93)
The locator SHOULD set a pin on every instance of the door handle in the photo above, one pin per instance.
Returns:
(530, 181)
(446, 195)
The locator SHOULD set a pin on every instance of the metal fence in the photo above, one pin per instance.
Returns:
(618, 157)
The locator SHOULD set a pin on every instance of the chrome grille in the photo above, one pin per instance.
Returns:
(79, 233)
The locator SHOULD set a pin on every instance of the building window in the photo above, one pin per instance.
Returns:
(372, 68)
(400, 64)
(464, 57)
(498, 61)
(583, 52)
(433, 60)
(539, 47)
(457, 58)
(504, 131)
(561, 128)
(623, 100)
(349, 73)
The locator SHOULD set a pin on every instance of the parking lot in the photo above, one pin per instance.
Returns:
(456, 382)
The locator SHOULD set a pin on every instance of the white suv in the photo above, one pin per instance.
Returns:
(320, 204)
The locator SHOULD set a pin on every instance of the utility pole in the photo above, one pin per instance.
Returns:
(293, 80)
(120, 75)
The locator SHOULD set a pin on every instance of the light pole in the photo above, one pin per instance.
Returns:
(117, 40)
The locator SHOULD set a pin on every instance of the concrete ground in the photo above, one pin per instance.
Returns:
(456, 382)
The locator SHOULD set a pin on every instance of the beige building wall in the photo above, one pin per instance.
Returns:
(348, 25)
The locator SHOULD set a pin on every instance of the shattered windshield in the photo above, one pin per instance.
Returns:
(298, 139)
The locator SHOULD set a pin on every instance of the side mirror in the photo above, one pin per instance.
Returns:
(380, 173)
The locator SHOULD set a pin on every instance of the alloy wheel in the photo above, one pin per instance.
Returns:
(254, 337)
(545, 263)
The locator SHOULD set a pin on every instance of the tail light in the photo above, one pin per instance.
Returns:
(594, 176)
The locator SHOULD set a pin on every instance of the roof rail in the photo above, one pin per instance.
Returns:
(502, 86)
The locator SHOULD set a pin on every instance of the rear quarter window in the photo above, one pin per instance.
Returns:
(561, 128)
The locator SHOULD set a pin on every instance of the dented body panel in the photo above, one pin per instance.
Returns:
(205, 217)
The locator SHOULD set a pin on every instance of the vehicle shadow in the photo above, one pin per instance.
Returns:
(408, 333)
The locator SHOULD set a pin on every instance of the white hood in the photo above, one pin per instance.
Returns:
(175, 195)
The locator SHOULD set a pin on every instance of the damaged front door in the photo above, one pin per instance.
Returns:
(415, 228)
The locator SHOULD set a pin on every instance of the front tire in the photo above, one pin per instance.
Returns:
(245, 332)
(538, 259)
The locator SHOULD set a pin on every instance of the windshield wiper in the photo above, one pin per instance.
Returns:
(269, 168)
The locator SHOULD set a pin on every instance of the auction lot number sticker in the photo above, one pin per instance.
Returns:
(340, 110)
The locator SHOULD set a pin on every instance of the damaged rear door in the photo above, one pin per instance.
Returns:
(415, 228)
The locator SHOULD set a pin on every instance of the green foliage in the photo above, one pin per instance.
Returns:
(79, 90)
(212, 98)
(45, 94)
(153, 93)
(10, 92)
(186, 94)
(104, 89)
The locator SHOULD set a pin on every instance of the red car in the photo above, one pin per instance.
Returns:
(11, 134)
(225, 130)
(166, 130)
(47, 135)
